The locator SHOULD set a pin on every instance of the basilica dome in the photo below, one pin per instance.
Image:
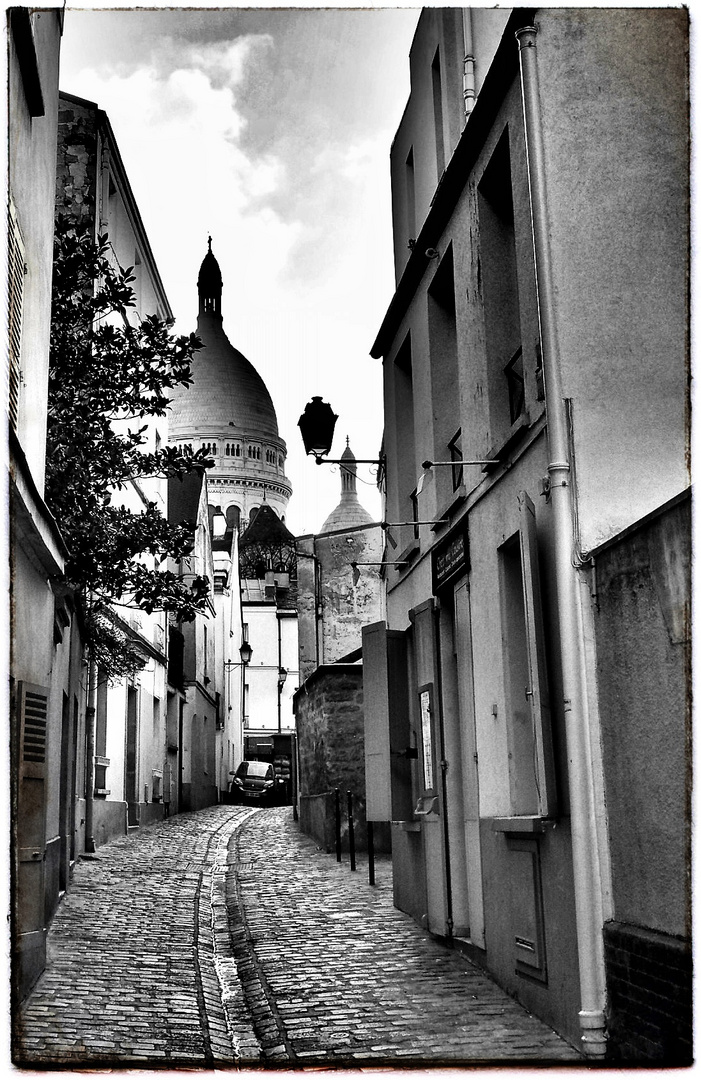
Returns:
(229, 392)
(228, 411)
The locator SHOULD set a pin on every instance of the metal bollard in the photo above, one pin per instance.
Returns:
(351, 830)
(338, 824)
(371, 854)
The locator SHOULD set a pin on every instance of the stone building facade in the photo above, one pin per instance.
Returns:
(535, 350)
(45, 704)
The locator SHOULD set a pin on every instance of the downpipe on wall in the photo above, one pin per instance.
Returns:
(90, 758)
(585, 850)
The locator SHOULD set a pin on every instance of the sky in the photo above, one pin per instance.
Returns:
(271, 131)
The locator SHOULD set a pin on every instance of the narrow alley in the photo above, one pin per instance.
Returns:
(226, 937)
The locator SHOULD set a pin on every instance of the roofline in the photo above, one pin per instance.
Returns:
(131, 206)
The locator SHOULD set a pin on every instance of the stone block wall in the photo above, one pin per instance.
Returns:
(331, 744)
(76, 166)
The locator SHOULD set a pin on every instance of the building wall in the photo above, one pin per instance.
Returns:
(623, 300)
(489, 839)
(45, 658)
(32, 172)
(643, 642)
(332, 607)
(273, 638)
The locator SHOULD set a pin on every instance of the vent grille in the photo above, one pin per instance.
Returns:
(35, 715)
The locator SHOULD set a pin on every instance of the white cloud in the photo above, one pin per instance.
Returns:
(300, 227)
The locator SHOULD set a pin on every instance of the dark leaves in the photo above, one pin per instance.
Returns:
(110, 374)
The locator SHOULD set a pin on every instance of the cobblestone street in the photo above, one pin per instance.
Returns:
(227, 937)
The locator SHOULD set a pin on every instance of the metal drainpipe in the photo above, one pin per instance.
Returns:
(90, 758)
(444, 779)
(585, 852)
(468, 79)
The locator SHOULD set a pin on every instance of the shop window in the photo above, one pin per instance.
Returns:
(531, 765)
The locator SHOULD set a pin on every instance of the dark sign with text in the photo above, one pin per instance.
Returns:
(450, 559)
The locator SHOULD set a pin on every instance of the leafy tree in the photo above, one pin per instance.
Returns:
(107, 377)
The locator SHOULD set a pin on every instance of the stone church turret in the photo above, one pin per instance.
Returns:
(349, 513)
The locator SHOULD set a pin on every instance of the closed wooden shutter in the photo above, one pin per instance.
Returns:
(387, 731)
(16, 269)
(537, 692)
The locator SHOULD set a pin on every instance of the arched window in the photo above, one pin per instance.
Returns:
(233, 517)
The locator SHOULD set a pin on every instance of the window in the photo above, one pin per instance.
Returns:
(514, 381)
(410, 196)
(455, 448)
(415, 512)
(405, 456)
(16, 270)
(531, 763)
(445, 392)
(437, 84)
(500, 294)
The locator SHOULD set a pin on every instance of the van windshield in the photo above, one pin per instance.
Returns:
(253, 768)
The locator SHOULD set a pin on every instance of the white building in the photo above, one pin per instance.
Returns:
(228, 410)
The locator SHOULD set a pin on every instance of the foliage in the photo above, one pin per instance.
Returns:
(108, 376)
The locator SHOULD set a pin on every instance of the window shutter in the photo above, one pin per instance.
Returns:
(16, 269)
(33, 714)
(535, 637)
(387, 731)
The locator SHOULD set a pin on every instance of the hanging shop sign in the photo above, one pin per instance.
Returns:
(450, 558)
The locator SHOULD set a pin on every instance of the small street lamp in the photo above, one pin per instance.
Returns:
(245, 652)
(317, 424)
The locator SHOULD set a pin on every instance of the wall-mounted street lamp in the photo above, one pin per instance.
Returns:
(245, 652)
(317, 424)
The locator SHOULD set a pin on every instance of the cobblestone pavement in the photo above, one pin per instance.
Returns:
(226, 937)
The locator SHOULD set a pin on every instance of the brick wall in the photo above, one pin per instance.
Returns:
(649, 996)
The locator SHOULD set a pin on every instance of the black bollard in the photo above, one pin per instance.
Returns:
(338, 824)
(351, 830)
(371, 854)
